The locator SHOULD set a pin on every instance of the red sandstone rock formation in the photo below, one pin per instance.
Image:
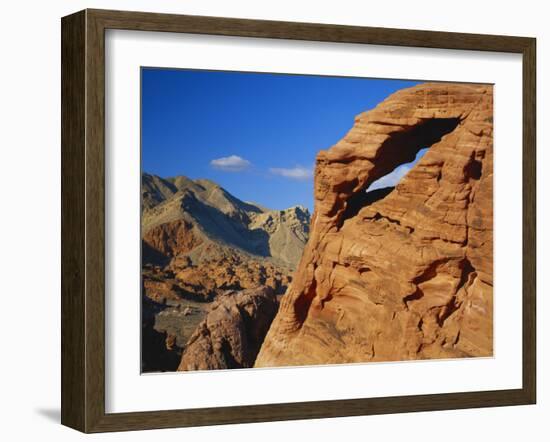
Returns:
(172, 238)
(159, 290)
(233, 331)
(224, 272)
(405, 274)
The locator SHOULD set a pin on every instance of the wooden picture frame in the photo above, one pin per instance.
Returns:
(83, 220)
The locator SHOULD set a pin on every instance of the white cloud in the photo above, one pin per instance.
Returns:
(391, 179)
(232, 163)
(296, 173)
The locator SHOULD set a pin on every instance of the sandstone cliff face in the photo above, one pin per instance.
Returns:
(231, 334)
(405, 273)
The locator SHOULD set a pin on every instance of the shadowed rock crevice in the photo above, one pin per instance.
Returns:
(402, 146)
(363, 199)
(303, 303)
(157, 351)
(473, 169)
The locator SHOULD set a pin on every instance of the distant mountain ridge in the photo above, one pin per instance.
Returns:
(207, 216)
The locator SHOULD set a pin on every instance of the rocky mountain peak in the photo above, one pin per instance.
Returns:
(216, 216)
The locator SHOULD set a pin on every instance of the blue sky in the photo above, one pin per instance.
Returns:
(392, 178)
(255, 134)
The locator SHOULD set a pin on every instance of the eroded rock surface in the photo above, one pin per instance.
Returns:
(231, 334)
(405, 273)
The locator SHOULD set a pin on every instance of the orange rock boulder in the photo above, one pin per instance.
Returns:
(231, 334)
(399, 273)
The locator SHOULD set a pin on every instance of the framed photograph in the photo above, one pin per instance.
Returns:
(266, 220)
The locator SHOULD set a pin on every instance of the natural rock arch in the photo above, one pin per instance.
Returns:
(399, 148)
(407, 276)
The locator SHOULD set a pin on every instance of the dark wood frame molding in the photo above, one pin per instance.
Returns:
(83, 216)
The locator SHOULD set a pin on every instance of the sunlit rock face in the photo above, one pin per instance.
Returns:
(401, 273)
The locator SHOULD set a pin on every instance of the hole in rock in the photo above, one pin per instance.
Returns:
(390, 180)
(396, 157)
(473, 169)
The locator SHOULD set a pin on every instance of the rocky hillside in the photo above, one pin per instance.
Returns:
(182, 216)
(199, 242)
(407, 273)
